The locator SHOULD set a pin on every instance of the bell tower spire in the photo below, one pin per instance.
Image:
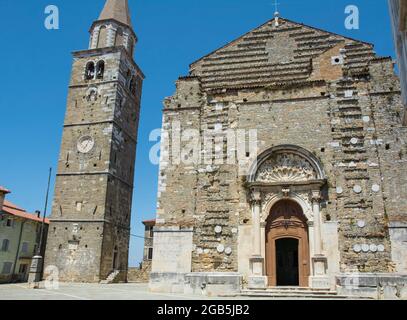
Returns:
(116, 10)
(113, 27)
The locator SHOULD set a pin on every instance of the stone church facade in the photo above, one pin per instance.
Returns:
(89, 233)
(322, 203)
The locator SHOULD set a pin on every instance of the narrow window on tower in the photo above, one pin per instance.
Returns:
(90, 71)
(67, 160)
(131, 47)
(133, 85)
(78, 206)
(128, 78)
(102, 40)
(119, 37)
(100, 69)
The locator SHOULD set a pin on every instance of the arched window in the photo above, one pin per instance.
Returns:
(90, 71)
(100, 69)
(102, 40)
(119, 41)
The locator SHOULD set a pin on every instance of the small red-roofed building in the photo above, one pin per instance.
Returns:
(20, 233)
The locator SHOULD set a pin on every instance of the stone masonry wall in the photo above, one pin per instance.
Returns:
(328, 94)
(140, 275)
(93, 194)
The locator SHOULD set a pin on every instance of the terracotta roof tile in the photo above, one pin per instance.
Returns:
(153, 221)
(14, 210)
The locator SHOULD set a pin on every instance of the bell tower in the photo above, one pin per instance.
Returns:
(89, 233)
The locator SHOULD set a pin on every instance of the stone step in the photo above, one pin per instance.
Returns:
(297, 296)
(287, 294)
(291, 292)
(286, 288)
(111, 278)
(294, 292)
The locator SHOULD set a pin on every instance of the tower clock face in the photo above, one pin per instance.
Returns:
(86, 144)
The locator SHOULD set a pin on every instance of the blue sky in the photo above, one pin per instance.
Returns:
(36, 67)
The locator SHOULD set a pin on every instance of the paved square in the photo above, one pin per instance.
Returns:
(81, 291)
(133, 291)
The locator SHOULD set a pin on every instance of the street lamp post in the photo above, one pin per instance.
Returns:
(36, 267)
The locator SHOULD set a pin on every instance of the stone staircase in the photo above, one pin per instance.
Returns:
(288, 293)
(112, 278)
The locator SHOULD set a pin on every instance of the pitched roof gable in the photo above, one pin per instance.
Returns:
(270, 54)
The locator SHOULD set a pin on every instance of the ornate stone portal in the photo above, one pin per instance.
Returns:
(287, 173)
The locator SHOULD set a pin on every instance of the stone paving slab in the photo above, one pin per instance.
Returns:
(79, 291)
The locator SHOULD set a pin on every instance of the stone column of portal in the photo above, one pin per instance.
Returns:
(319, 279)
(257, 280)
(256, 232)
(317, 222)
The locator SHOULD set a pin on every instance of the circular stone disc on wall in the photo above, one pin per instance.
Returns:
(218, 229)
(354, 140)
(357, 248)
(365, 247)
(380, 248)
(339, 190)
(366, 119)
(373, 248)
(228, 250)
(375, 188)
(220, 248)
(357, 189)
(361, 224)
(85, 144)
